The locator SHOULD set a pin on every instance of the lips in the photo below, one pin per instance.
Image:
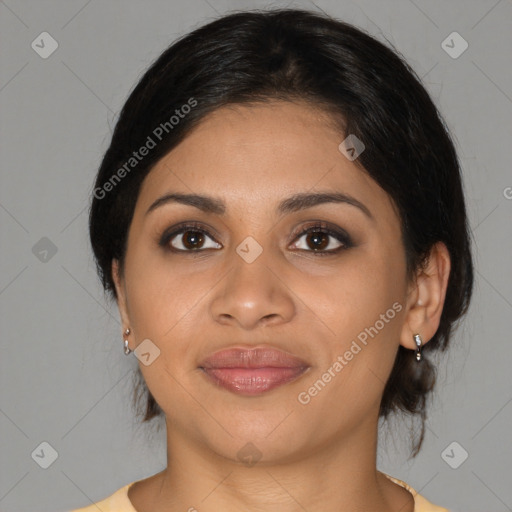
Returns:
(252, 371)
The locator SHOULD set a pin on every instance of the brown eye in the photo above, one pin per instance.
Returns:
(322, 240)
(188, 238)
(191, 240)
(317, 240)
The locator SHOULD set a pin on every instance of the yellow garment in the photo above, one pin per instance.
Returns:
(119, 501)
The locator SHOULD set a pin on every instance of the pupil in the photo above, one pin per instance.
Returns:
(317, 240)
(192, 239)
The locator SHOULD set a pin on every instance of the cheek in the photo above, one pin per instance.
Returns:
(158, 294)
(161, 305)
(363, 286)
(362, 304)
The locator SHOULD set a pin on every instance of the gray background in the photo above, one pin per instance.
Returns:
(64, 377)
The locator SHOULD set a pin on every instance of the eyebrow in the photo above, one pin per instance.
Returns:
(291, 204)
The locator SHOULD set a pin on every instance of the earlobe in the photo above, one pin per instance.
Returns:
(426, 299)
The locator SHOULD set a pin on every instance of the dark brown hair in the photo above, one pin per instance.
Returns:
(369, 90)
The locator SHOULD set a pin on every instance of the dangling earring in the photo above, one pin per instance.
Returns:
(126, 349)
(417, 340)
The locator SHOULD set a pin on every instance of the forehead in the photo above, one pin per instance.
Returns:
(254, 155)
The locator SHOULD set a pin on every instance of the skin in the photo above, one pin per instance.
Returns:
(319, 456)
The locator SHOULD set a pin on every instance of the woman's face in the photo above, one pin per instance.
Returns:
(246, 275)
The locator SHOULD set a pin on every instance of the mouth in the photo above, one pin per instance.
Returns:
(252, 371)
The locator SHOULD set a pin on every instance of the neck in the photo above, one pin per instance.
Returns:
(341, 475)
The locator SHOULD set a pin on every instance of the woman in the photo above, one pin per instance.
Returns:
(281, 221)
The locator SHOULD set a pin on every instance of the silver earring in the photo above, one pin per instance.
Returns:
(127, 350)
(418, 341)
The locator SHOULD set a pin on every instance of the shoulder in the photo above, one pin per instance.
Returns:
(421, 504)
(116, 502)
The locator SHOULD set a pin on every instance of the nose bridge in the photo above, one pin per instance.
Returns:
(252, 292)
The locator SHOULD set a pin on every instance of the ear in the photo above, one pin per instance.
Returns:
(426, 298)
(121, 294)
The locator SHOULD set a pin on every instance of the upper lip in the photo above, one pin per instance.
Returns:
(257, 357)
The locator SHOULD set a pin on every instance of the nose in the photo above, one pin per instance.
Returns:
(253, 294)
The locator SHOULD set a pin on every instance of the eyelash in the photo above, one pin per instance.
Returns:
(317, 227)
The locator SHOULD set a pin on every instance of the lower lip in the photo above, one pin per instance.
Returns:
(252, 381)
